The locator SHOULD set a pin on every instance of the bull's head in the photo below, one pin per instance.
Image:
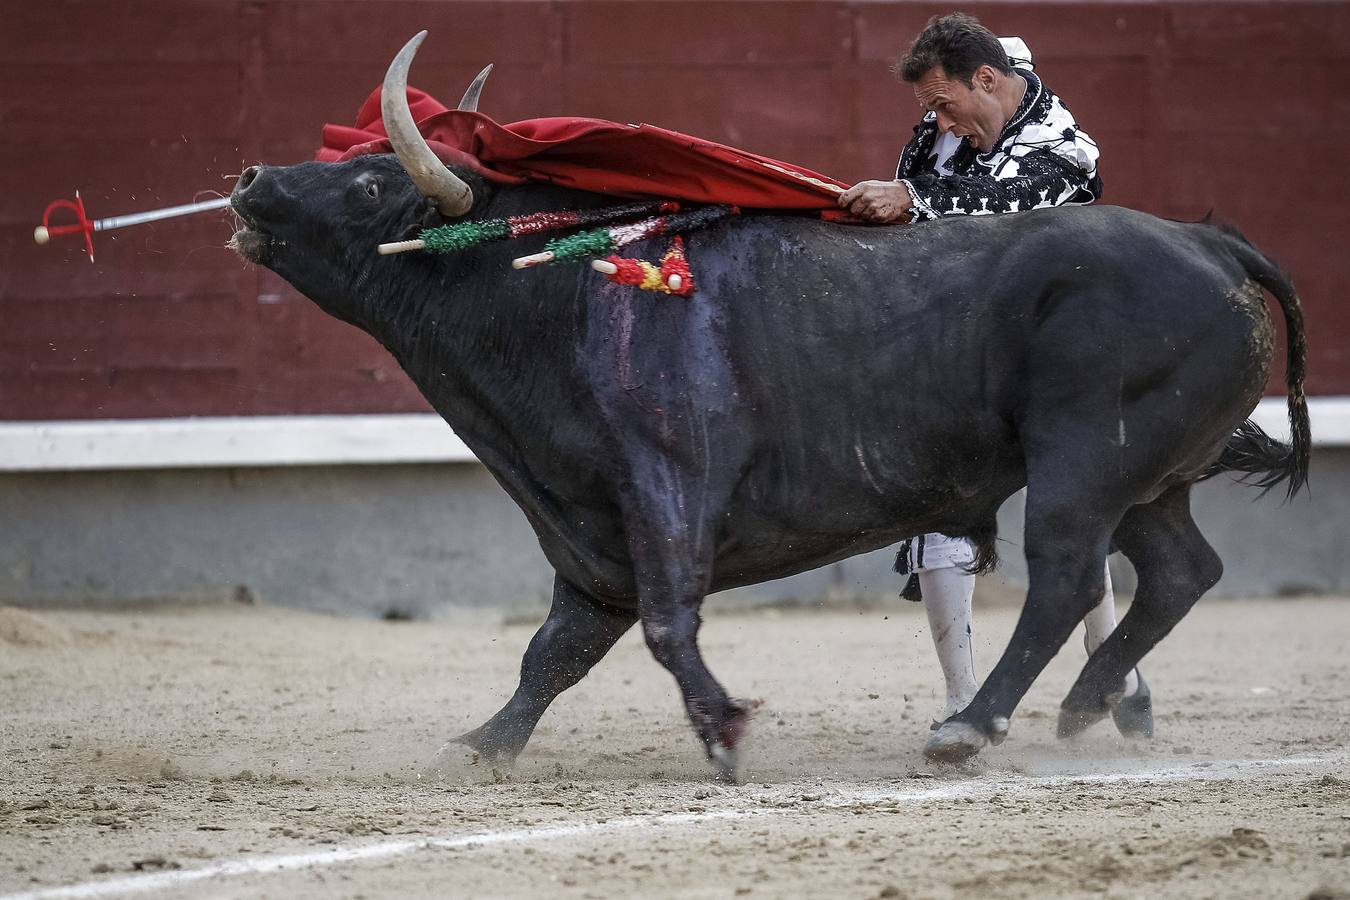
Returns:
(342, 211)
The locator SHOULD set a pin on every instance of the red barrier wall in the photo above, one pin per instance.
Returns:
(1237, 107)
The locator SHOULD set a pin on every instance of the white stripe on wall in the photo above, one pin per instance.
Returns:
(351, 440)
(228, 441)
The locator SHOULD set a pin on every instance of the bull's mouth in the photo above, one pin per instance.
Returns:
(249, 241)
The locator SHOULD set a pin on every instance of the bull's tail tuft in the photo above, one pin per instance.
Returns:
(1257, 459)
(985, 539)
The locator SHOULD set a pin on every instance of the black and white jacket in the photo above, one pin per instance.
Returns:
(1042, 158)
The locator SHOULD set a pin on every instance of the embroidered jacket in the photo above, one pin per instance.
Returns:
(1042, 158)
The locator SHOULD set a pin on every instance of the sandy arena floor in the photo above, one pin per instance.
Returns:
(255, 752)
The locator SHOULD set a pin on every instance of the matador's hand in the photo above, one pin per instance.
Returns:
(878, 201)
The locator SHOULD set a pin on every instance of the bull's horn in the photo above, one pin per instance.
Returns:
(453, 197)
(470, 101)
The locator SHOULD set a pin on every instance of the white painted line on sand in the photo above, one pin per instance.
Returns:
(1004, 785)
(1027, 785)
(132, 884)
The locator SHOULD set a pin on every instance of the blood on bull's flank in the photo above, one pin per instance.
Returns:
(727, 452)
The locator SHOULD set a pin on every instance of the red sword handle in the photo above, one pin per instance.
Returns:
(47, 230)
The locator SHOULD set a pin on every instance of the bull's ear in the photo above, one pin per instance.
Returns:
(431, 216)
(425, 216)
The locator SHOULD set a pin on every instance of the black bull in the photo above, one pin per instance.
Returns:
(826, 391)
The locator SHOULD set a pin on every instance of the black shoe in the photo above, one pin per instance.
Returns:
(1133, 715)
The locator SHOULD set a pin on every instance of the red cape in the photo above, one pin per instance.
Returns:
(592, 155)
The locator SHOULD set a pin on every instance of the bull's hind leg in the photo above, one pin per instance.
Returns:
(1176, 565)
(1068, 525)
(579, 631)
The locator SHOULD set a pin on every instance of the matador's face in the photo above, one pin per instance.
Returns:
(971, 111)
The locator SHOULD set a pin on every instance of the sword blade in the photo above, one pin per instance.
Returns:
(167, 212)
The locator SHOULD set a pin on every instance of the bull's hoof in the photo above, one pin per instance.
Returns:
(475, 755)
(724, 749)
(955, 742)
(727, 761)
(457, 761)
(494, 743)
(1076, 720)
(1133, 715)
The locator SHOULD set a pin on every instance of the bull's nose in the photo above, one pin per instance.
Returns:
(247, 177)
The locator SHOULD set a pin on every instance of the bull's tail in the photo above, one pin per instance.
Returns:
(1266, 461)
(1257, 459)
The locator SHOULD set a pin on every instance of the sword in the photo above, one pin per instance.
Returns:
(46, 231)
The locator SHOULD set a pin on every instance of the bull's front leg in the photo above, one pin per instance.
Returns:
(672, 560)
(579, 631)
(670, 623)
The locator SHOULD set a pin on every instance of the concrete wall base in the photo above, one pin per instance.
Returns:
(442, 541)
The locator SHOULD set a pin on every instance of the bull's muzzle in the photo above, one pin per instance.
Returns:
(249, 240)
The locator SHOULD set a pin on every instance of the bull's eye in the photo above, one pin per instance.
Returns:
(372, 189)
